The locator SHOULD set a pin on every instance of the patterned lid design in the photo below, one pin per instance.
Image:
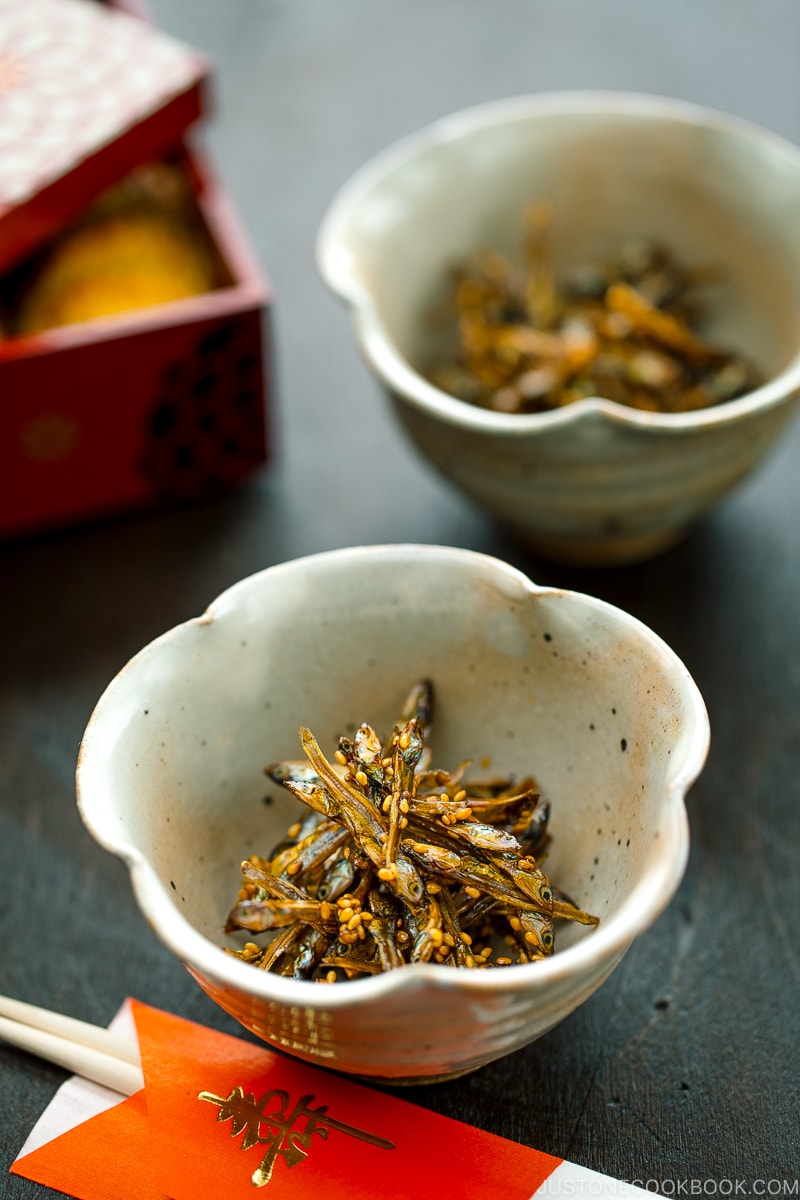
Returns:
(75, 75)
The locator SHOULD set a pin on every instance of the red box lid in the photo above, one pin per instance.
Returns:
(87, 92)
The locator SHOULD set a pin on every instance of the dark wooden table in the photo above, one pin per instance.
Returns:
(683, 1069)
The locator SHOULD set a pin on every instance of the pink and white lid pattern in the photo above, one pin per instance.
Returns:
(74, 75)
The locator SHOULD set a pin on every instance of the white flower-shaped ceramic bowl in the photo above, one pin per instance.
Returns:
(527, 679)
(596, 482)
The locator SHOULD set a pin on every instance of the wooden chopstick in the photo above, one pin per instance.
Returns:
(87, 1050)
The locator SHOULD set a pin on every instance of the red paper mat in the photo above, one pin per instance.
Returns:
(220, 1118)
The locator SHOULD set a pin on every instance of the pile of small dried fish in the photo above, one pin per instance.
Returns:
(624, 330)
(399, 863)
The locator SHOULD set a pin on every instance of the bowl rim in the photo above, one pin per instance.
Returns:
(602, 948)
(333, 263)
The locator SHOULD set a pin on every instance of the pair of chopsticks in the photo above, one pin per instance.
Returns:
(87, 1050)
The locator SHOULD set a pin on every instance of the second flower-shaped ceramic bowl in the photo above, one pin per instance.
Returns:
(594, 482)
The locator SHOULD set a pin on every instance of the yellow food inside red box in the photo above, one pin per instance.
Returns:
(141, 245)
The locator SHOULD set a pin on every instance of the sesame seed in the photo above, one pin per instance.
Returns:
(293, 868)
(472, 892)
(460, 795)
(514, 922)
(466, 939)
(294, 830)
(361, 777)
(531, 938)
(386, 874)
(340, 757)
(502, 962)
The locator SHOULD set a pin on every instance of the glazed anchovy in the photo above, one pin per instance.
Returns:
(517, 339)
(397, 863)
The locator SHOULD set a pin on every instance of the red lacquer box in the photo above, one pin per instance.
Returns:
(161, 403)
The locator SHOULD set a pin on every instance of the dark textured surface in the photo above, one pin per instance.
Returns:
(684, 1068)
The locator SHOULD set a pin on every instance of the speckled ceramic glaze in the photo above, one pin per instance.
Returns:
(596, 482)
(527, 679)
